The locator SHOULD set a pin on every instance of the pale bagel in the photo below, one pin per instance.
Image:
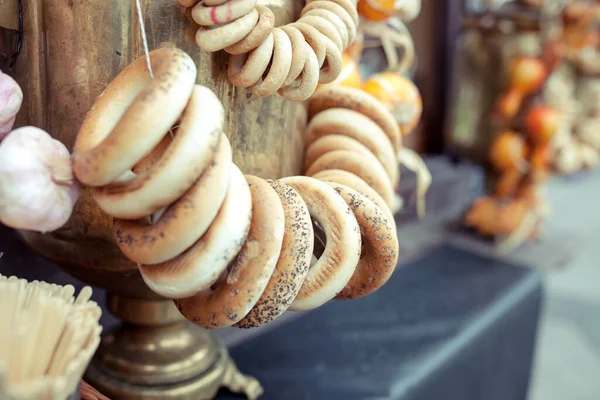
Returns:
(280, 66)
(336, 23)
(182, 162)
(293, 264)
(245, 29)
(336, 10)
(246, 69)
(328, 143)
(351, 123)
(349, 161)
(184, 222)
(222, 13)
(330, 274)
(309, 79)
(354, 182)
(314, 39)
(201, 265)
(236, 292)
(218, 37)
(379, 245)
(348, 5)
(132, 115)
(334, 96)
(299, 54)
(262, 29)
(326, 28)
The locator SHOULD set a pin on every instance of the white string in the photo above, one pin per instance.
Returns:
(144, 40)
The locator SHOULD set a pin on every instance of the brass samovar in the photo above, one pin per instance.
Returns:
(66, 53)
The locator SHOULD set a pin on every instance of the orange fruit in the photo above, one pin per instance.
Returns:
(400, 95)
(542, 123)
(509, 104)
(377, 10)
(508, 151)
(511, 216)
(507, 184)
(482, 216)
(527, 74)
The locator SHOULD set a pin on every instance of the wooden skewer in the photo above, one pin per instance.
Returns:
(47, 337)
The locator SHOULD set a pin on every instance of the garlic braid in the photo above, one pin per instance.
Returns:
(290, 60)
(231, 249)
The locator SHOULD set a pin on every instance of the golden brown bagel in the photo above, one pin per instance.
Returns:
(234, 250)
(189, 153)
(354, 182)
(379, 245)
(235, 294)
(293, 264)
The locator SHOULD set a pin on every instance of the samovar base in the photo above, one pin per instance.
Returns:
(153, 354)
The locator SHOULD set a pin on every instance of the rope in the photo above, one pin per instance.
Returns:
(144, 39)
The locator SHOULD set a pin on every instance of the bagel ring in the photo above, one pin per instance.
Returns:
(184, 222)
(236, 292)
(294, 261)
(333, 270)
(245, 30)
(199, 267)
(380, 249)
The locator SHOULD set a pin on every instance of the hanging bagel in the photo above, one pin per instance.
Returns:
(234, 250)
(290, 60)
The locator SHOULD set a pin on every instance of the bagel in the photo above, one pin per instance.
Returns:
(328, 143)
(246, 29)
(330, 274)
(182, 162)
(380, 249)
(131, 116)
(338, 11)
(354, 182)
(262, 29)
(332, 96)
(222, 13)
(246, 69)
(184, 222)
(351, 123)
(294, 261)
(349, 161)
(199, 267)
(282, 60)
(332, 24)
(234, 295)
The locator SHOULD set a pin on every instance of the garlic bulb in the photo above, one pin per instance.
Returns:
(37, 188)
(11, 98)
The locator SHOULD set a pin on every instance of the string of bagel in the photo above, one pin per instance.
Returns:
(233, 249)
(290, 60)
